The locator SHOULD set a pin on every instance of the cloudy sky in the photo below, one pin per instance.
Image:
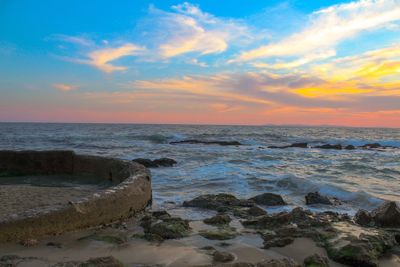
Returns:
(201, 62)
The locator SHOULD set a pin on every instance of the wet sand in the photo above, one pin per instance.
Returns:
(134, 251)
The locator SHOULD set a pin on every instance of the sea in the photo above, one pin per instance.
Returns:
(360, 178)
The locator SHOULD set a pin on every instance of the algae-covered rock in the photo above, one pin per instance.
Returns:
(111, 239)
(278, 263)
(316, 260)
(160, 225)
(225, 233)
(218, 219)
(170, 229)
(269, 199)
(277, 241)
(362, 251)
(223, 256)
(219, 202)
(109, 261)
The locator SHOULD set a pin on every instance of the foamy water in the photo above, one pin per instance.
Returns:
(361, 178)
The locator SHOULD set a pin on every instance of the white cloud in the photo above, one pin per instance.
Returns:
(190, 30)
(329, 27)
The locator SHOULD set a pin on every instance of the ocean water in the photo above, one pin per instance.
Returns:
(360, 178)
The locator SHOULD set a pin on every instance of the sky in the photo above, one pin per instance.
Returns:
(201, 62)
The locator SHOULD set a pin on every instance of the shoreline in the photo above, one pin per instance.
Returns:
(127, 243)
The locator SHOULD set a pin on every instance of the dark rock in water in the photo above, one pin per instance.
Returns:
(298, 145)
(109, 261)
(364, 251)
(387, 215)
(148, 163)
(220, 202)
(160, 225)
(162, 162)
(165, 162)
(269, 199)
(363, 218)
(372, 146)
(316, 198)
(223, 256)
(349, 147)
(329, 146)
(218, 219)
(316, 260)
(221, 143)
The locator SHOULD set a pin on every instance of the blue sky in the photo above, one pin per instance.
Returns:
(235, 62)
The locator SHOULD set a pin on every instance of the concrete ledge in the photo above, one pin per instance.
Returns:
(130, 193)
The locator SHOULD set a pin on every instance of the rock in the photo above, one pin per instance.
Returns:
(349, 147)
(15, 260)
(387, 215)
(329, 146)
(372, 146)
(298, 145)
(159, 225)
(220, 202)
(304, 219)
(29, 242)
(221, 143)
(316, 198)
(170, 229)
(54, 244)
(362, 251)
(285, 262)
(316, 260)
(278, 263)
(162, 162)
(363, 218)
(256, 211)
(277, 241)
(109, 261)
(111, 239)
(268, 199)
(219, 234)
(223, 256)
(218, 219)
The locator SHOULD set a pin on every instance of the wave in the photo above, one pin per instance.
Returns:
(300, 186)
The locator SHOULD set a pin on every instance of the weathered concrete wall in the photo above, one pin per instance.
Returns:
(131, 194)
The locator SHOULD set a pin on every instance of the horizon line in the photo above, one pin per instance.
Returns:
(206, 124)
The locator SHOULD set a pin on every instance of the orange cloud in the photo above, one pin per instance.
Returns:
(64, 87)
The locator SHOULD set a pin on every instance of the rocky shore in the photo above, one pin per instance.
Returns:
(232, 232)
